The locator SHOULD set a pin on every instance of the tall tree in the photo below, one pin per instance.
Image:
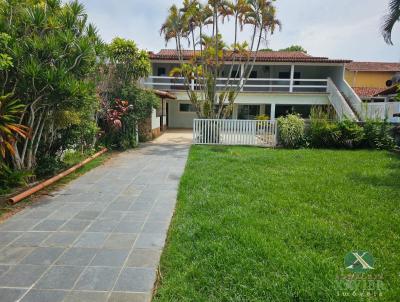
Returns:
(211, 97)
(54, 51)
(390, 20)
(124, 105)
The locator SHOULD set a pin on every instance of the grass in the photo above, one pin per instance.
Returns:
(7, 209)
(275, 225)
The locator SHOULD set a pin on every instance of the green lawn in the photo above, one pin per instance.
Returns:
(275, 225)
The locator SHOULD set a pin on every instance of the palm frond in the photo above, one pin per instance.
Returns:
(390, 20)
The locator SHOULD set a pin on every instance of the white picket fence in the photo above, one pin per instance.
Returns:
(234, 132)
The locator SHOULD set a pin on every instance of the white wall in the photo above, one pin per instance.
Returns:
(282, 98)
(155, 120)
(177, 119)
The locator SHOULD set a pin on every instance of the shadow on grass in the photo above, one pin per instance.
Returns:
(391, 179)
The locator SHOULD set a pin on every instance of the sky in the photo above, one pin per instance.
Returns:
(343, 29)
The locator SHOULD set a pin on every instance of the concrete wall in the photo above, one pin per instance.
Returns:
(155, 120)
(283, 98)
(177, 119)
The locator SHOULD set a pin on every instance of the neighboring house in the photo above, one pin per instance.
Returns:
(281, 82)
(370, 78)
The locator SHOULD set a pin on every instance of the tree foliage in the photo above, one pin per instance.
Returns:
(294, 48)
(10, 111)
(54, 51)
(123, 103)
(199, 24)
(390, 20)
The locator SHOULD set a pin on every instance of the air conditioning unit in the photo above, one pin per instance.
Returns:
(395, 80)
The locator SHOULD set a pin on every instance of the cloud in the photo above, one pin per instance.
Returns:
(334, 28)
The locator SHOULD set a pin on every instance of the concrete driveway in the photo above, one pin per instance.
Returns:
(100, 238)
(175, 136)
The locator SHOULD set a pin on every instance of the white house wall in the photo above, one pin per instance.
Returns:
(177, 119)
(155, 120)
(263, 98)
(282, 99)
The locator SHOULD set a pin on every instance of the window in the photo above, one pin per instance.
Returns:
(248, 112)
(161, 72)
(253, 74)
(284, 110)
(235, 74)
(286, 75)
(186, 108)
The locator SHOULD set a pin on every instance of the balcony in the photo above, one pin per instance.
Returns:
(264, 85)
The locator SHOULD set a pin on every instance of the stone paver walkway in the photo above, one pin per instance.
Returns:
(100, 238)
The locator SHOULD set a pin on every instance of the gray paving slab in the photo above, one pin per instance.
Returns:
(35, 295)
(110, 257)
(77, 257)
(98, 278)
(129, 297)
(22, 275)
(120, 241)
(99, 238)
(60, 277)
(49, 225)
(11, 294)
(60, 239)
(92, 240)
(144, 258)
(136, 280)
(43, 256)
(30, 239)
(13, 255)
(4, 269)
(81, 296)
(7, 237)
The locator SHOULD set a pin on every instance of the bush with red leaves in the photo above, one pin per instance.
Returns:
(115, 113)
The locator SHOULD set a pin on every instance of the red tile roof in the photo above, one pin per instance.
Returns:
(262, 56)
(367, 92)
(373, 66)
(388, 91)
(165, 94)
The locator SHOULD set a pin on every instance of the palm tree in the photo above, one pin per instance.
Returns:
(191, 10)
(175, 27)
(390, 20)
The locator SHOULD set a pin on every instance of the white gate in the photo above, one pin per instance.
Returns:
(234, 132)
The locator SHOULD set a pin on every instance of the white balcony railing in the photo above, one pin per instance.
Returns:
(251, 85)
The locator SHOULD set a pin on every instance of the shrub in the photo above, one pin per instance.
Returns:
(291, 131)
(72, 157)
(262, 117)
(48, 166)
(10, 179)
(351, 134)
(378, 135)
(323, 134)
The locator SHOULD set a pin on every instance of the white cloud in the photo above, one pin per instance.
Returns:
(335, 28)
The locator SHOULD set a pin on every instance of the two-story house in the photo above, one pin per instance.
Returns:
(281, 82)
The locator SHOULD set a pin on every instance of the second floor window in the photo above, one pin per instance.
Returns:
(286, 75)
(161, 72)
